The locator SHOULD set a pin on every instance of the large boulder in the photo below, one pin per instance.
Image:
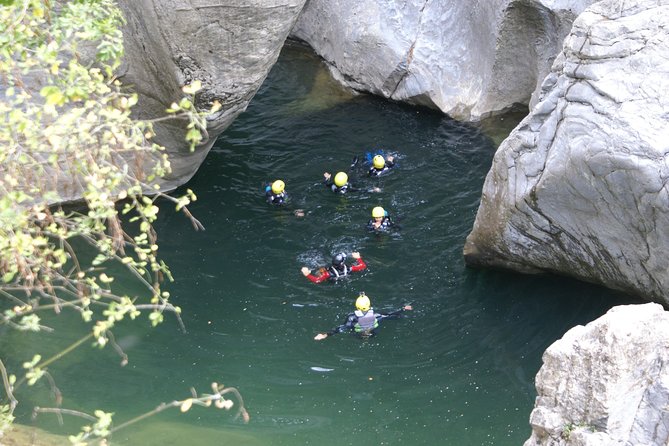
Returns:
(606, 383)
(467, 58)
(229, 46)
(580, 186)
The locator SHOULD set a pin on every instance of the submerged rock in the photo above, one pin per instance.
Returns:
(466, 58)
(606, 383)
(229, 46)
(22, 435)
(580, 186)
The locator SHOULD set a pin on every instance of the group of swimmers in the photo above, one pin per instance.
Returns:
(364, 320)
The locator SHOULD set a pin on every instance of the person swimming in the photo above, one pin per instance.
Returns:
(275, 193)
(364, 320)
(380, 221)
(337, 270)
(381, 165)
(339, 184)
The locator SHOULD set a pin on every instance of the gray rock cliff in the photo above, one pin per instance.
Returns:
(580, 186)
(466, 58)
(229, 46)
(606, 383)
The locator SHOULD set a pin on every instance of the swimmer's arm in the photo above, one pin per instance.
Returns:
(334, 331)
(327, 179)
(306, 272)
(396, 313)
(359, 264)
(348, 325)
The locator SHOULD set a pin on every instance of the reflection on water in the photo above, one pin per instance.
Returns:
(323, 93)
(498, 127)
(457, 370)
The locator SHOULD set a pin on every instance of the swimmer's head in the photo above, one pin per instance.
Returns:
(338, 259)
(362, 303)
(379, 162)
(340, 179)
(378, 212)
(278, 186)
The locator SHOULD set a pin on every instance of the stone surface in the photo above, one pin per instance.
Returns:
(22, 435)
(229, 46)
(580, 186)
(606, 383)
(466, 58)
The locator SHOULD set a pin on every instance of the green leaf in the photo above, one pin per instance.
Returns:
(8, 276)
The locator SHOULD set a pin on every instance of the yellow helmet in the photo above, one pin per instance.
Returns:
(278, 186)
(340, 179)
(362, 303)
(378, 212)
(379, 162)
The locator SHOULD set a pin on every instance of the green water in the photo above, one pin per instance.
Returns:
(458, 370)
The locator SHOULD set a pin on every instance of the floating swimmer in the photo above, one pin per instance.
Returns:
(276, 194)
(380, 221)
(381, 165)
(364, 320)
(339, 184)
(337, 270)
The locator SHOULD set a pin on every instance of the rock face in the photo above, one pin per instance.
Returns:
(466, 58)
(229, 46)
(580, 186)
(606, 383)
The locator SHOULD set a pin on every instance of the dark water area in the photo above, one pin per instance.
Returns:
(457, 370)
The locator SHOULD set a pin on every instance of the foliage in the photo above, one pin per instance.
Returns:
(74, 137)
(101, 426)
(570, 428)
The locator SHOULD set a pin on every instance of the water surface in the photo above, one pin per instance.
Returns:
(458, 370)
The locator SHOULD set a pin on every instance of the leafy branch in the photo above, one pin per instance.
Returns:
(102, 427)
(79, 186)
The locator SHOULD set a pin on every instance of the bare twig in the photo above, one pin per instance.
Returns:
(196, 223)
(64, 352)
(57, 396)
(61, 411)
(119, 350)
(8, 388)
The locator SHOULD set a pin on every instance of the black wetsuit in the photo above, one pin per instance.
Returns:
(386, 224)
(339, 189)
(278, 199)
(374, 172)
(369, 322)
